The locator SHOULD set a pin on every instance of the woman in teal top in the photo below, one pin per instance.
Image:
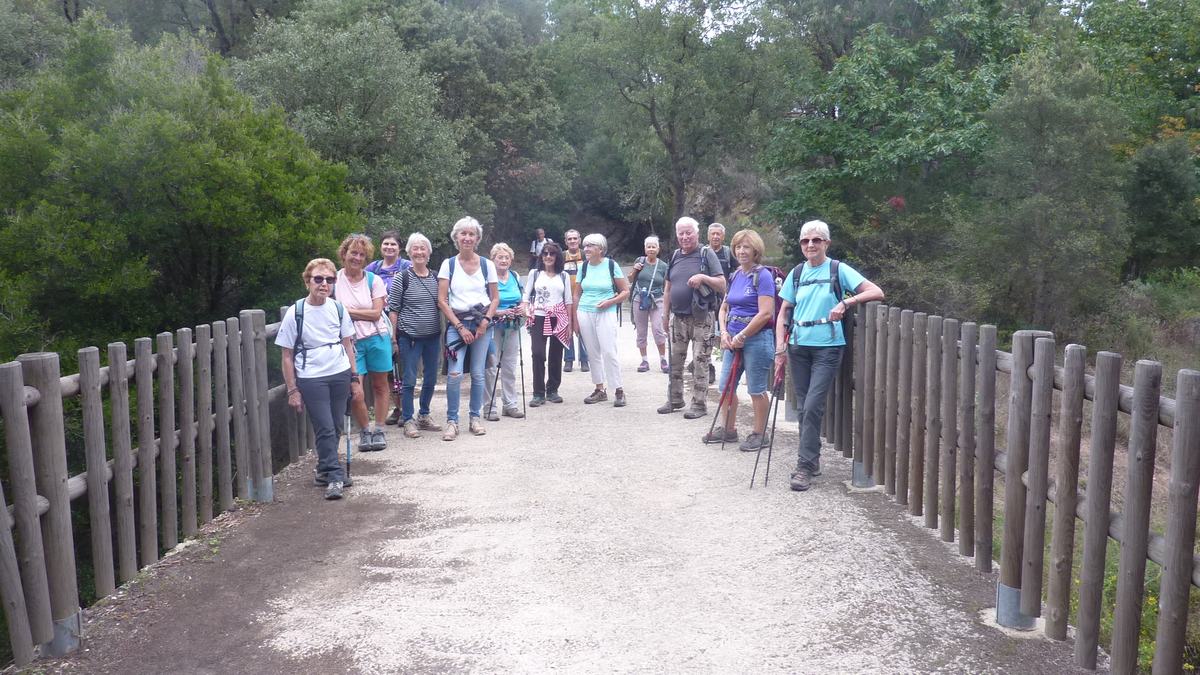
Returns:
(601, 289)
(506, 342)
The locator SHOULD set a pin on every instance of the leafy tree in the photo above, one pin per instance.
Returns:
(29, 36)
(1162, 193)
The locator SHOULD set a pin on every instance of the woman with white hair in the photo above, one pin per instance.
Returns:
(468, 297)
(808, 334)
(413, 309)
(506, 337)
(602, 288)
(647, 301)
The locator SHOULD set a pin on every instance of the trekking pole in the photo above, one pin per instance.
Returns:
(729, 392)
(776, 388)
(499, 366)
(521, 359)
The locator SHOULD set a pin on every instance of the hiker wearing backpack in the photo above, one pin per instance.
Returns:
(468, 297)
(387, 268)
(506, 338)
(694, 281)
(413, 310)
(548, 302)
(649, 277)
(364, 294)
(747, 331)
(316, 336)
(814, 303)
(602, 288)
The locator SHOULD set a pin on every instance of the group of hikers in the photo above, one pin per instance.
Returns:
(358, 321)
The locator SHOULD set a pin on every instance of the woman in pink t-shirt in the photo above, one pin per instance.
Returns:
(364, 294)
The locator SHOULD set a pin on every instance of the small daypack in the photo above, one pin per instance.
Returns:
(835, 287)
(299, 348)
(777, 277)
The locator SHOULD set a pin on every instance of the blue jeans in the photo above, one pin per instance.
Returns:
(415, 352)
(477, 353)
(813, 370)
(757, 362)
(325, 399)
(569, 355)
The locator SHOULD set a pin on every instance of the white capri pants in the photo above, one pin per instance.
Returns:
(599, 331)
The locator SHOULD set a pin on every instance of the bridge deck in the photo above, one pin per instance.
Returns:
(625, 545)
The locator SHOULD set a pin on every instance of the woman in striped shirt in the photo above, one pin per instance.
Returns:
(412, 306)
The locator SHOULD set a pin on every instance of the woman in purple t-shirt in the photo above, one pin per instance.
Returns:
(745, 329)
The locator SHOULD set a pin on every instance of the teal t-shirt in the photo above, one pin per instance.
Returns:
(815, 301)
(510, 291)
(597, 286)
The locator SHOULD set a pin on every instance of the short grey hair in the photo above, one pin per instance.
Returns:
(652, 240)
(597, 239)
(687, 222)
(463, 224)
(417, 238)
(502, 247)
(568, 232)
(815, 227)
(718, 227)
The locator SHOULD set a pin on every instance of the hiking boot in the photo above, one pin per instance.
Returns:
(320, 480)
(410, 430)
(801, 480)
(669, 407)
(451, 431)
(394, 418)
(536, 401)
(568, 367)
(619, 398)
(426, 424)
(492, 415)
(334, 490)
(718, 436)
(643, 366)
(476, 426)
(378, 440)
(583, 368)
(596, 396)
(513, 412)
(666, 367)
(553, 397)
(754, 441)
(695, 412)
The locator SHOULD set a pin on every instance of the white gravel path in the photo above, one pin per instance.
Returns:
(598, 539)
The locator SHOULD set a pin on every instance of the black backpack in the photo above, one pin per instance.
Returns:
(704, 303)
(835, 286)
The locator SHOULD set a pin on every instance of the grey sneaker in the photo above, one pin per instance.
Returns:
(596, 396)
(583, 368)
(366, 441)
(334, 490)
(718, 436)
(513, 412)
(410, 429)
(695, 412)
(476, 426)
(801, 481)
(536, 401)
(426, 424)
(553, 397)
(378, 440)
(754, 441)
(492, 415)
(619, 400)
(669, 407)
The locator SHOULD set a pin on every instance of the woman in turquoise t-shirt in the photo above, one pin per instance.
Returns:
(601, 289)
(506, 341)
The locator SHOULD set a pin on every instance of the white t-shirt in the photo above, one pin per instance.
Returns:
(356, 295)
(468, 290)
(324, 353)
(547, 291)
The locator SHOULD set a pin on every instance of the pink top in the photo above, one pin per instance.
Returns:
(356, 295)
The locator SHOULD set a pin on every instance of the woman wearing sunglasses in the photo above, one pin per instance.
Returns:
(316, 335)
(808, 334)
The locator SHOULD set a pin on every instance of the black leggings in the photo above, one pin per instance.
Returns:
(542, 384)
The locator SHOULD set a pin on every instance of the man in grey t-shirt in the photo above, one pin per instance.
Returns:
(694, 280)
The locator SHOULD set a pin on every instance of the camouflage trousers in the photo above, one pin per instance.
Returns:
(694, 331)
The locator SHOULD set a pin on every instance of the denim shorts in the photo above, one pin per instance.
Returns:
(373, 355)
(757, 362)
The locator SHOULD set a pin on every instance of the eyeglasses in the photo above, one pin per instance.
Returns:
(549, 253)
(815, 241)
(318, 280)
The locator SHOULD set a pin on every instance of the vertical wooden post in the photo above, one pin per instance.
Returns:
(31, 553)
(881, 341)
(237, 397)
(892, 393)
(985, 451)
(266, 488)
(858, 476)
(41, 371)
(20, 638)
(143, 372)
(1098, 499)
(1135, 536)
(933, 417)
(949, 434)
(221, 370)
(1008, 590)
(1041, 410)
(846, 401)
(966, 440)
(168, 488)
(187, 429)
(864, 476)
(1180, 532)
(204, 417)
(96, 458)
(1066, 486)
(253, 409)
(916, 443)
(122, 441)
(904, 405)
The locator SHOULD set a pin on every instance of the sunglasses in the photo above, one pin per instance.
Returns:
(318, 280)
(815, 241)
(549, 253)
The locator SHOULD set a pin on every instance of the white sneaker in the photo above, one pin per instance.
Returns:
(476, 427)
